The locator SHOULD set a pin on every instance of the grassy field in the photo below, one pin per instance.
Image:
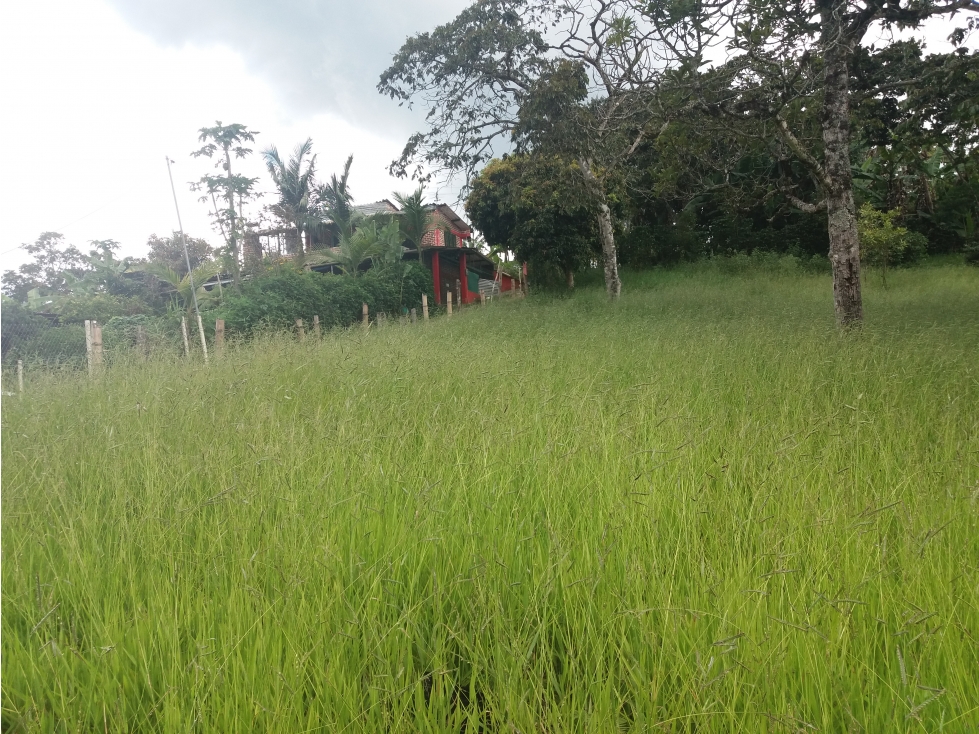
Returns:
(699, 509)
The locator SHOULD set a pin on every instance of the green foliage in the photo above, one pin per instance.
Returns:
(19, 326)
(103, 273)
(35, 339)
(335, 200)
(52, 259)
(971, 236)
(161, 335)
(276, 300)
(181, 284)
(885, 243)
(295, 185)
(169, 251)
(231, 189)
(99, 306)
(368, 244)
(646, 245)
(534, 206)
(701, 511)
(415, 217)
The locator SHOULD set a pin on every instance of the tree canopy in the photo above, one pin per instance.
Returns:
(605, 83)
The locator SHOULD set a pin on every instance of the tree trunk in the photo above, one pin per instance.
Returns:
(569, 277)
(613, 285)
(232, 231)
(844, 243)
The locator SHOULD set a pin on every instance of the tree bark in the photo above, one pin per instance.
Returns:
(844, 242)
(613, 285)
(232, 232)
(569, 277)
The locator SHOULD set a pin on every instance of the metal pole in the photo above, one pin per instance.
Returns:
(190, 272)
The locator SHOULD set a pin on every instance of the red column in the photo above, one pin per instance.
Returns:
(436, 276)
(463, 278)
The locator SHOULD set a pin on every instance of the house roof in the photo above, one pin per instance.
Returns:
(376, 207)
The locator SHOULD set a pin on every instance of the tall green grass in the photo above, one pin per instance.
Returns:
(699, 509)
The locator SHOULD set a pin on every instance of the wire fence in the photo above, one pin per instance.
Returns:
(41, 343)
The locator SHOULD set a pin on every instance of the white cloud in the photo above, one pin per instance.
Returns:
(92, 107)
(97, 92)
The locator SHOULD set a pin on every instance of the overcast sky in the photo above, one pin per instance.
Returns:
(97, 92)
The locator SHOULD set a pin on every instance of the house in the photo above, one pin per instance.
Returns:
(464, 271)
(457, 268)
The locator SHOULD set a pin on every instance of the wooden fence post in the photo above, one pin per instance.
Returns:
(366, 318)
(414, 316)
(482, 299)
(183, 328)
(88, 347)
(218, 337)
(300, 330)
(96, 344)
(200, 331)
(425, 306)
(448, 303)
(20, 375)
(316, 327)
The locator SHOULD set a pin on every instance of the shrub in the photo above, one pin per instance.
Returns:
(646, 245)
(884, 243)
(162, 333)
(101, 307)
(18, 326)
(276, 300)
(33, 338)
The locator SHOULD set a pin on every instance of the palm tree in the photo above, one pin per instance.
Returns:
(369, 242)
(415, 216)
(295, 187)
(336, 202)
(181, 284)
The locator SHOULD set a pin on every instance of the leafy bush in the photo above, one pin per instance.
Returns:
(161, 333)
(276, 300)
(645, 245)
(33, 338)
(884, 243)
(802, 235)
(18, 326)
(101, 307)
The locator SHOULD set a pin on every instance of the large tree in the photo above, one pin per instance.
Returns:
(169, 251)
(786, 59)
(496, 69)
(582, 80)
(536, 207)
(52, 259)
(233, 189)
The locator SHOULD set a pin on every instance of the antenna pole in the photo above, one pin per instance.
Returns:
(190, 272)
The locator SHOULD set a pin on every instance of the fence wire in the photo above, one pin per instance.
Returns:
(40, 340)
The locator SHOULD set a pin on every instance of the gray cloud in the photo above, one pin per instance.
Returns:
(321, 55)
